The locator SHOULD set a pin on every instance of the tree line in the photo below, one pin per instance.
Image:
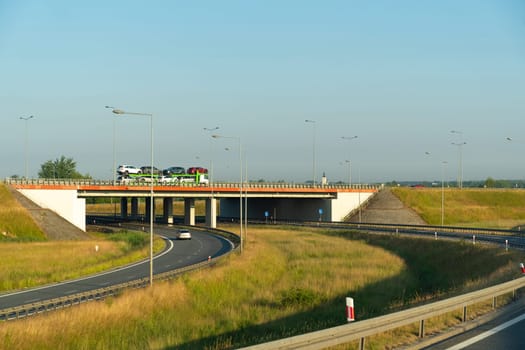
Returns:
(60, 168)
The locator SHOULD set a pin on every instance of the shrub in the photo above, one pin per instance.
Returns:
(298, 298)
(134, 240)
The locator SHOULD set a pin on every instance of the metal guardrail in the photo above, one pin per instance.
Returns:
(67, 301)
(486, 235)
(327, 337)
(362, 329)
(88, 182)
(97, 294)
(101, 293)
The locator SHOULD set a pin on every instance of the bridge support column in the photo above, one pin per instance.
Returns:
(167, 206)
(211, 212)
(134, 207)
(189, 211)
(148, 208)
(124, 207)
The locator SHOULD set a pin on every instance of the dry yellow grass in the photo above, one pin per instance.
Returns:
(15, 221)
(286, 282)
(271, 289)
(243, 291)
(476, 207)
(28, 265)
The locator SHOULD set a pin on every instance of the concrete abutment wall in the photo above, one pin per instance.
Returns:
(67, 204)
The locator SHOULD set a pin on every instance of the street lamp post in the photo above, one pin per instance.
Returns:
(460, 150)
(349, 138)
(215, 136)
(114, 171)
(211, 157)
(443, 163)
(349, 172)
(152, 203)
(510, 139)
(460, 166)
(359, 193)
(245, 196)
(26, 119)
(313, 150)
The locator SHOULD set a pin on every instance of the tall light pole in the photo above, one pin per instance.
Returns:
(443, 163)
(26, 119)
(359, 193)
(114, 149)
(215, 136)
(313, 150)
(460, 150)
(349, 138)
(460, 166)
(211, 157)
(347, 161)
(152, 203)
(245, 196)
(510, 139)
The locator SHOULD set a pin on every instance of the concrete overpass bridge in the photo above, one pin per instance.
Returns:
(259, 200)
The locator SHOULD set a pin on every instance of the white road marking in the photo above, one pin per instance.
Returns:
(95, 275)
(487, 333)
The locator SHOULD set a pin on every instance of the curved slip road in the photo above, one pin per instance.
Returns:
(177, 254)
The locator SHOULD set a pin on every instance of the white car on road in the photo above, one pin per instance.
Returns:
(128, 169)
(184, 234)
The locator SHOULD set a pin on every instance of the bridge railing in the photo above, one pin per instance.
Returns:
(221, 184)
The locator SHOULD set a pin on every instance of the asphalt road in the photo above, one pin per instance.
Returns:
(178, 254)
(508, 336)
(503, 332)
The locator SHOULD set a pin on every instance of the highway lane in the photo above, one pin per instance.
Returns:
(508, 336)
(177, 254)
(504, 332)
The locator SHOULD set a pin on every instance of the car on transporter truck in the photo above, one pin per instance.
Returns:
(169, 176)
(177, 175)
(132, 174)
(125, 170)
(173, 170)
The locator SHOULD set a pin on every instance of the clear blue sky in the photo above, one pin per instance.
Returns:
(398, 74)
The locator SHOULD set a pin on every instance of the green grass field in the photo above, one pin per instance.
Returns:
(26, 265)
(30, 260)
(15, 222)
(488, 208)
(287, 281)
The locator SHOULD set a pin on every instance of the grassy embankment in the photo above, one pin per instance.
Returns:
(29, 259)
(26, 265)
(286, 282)
(15, 222)
(487, 208)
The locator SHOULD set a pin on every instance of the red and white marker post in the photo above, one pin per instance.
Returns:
(522, 268)
(350, 316)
